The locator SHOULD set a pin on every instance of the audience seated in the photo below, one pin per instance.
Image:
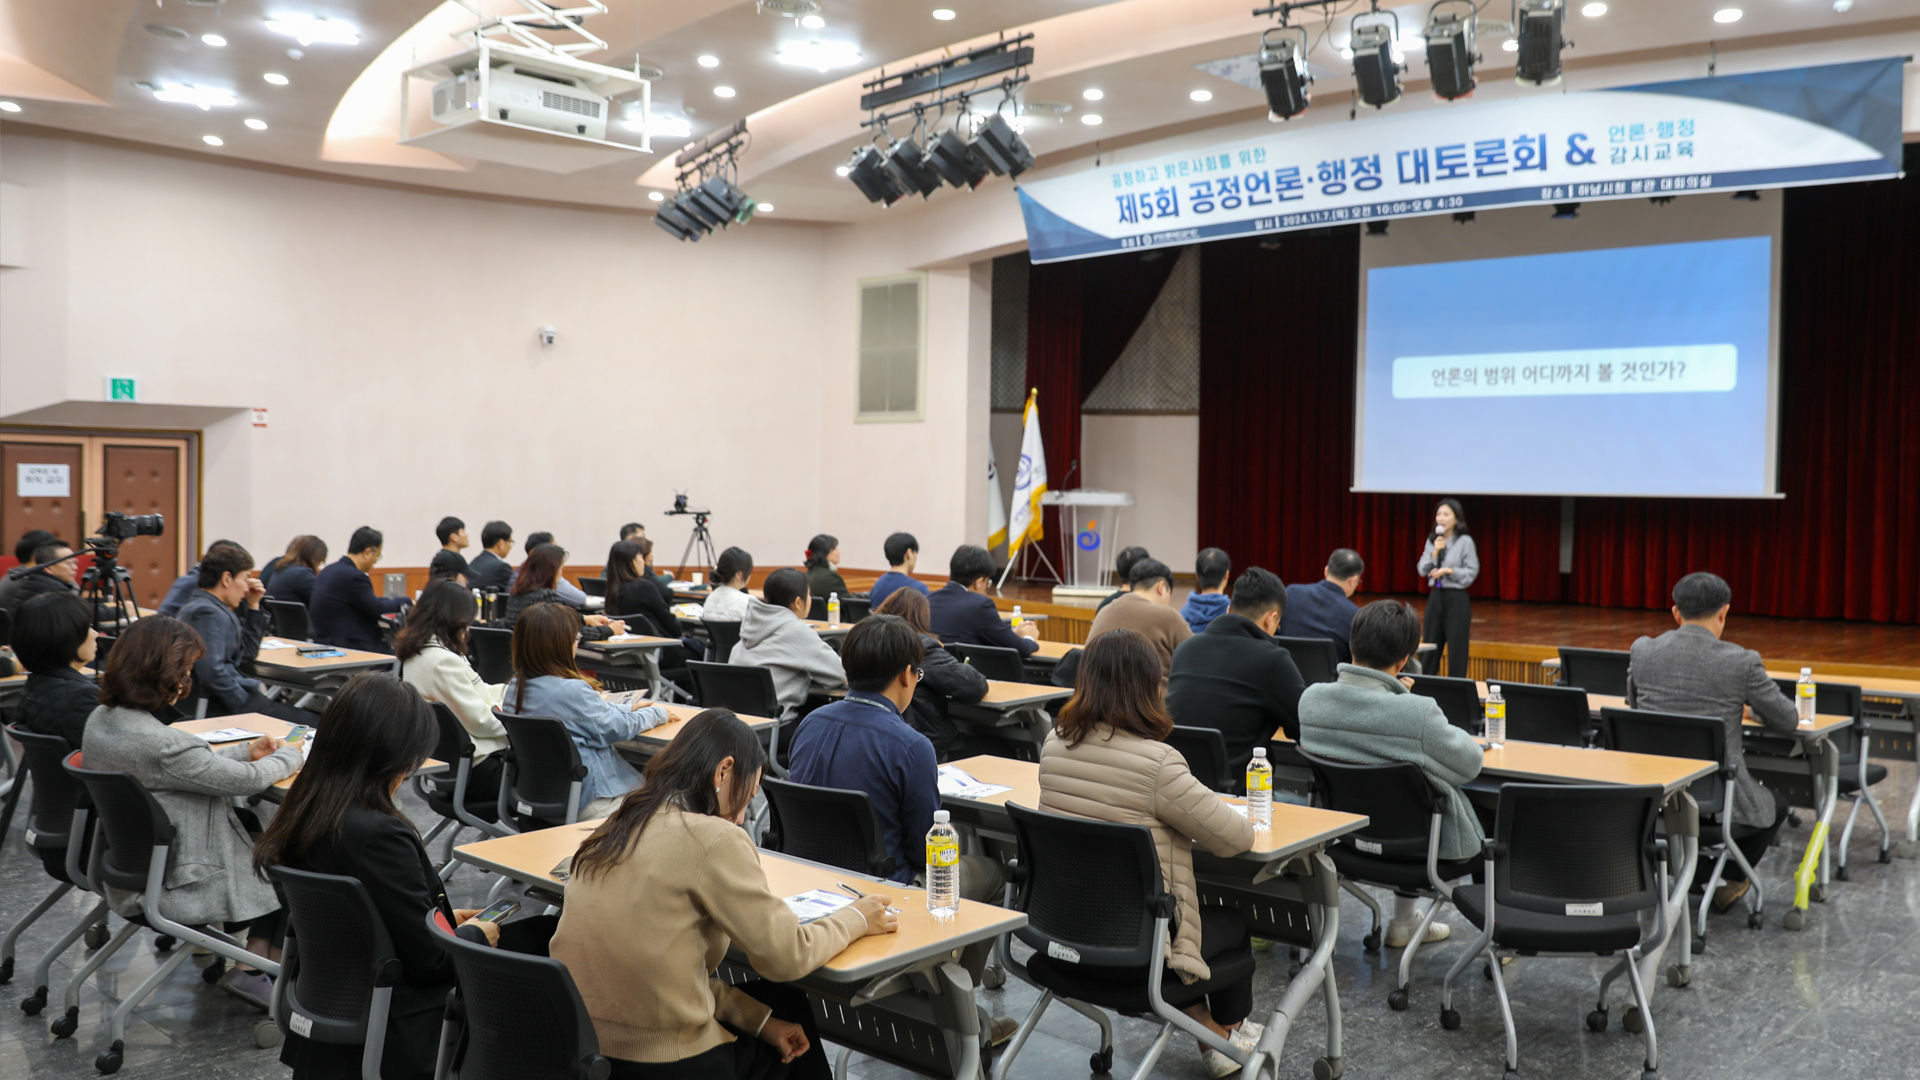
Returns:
(448, 565)
(536, 583)
(1146, 609)
(1370, 716)
(150, 668)
(1325, 609)
(1691, 670)
(452, 534)
(1236, 679)
(1122, 567)
(632, 530)
(903, 554)
(729, 598)
(489, 570)
(1105, 760)
(823, 568)
(962, 613)
(774, 636)
(341, 819)
(570, 593)
(943, 679)
(634, 590)
(183, 586)
(344, 610)
(293, 574)
(432, 649)
(225, 612)
(55, 640)
(30, 540)
(546, 682)
(53, 571)
(674, 855)
(1208, 599)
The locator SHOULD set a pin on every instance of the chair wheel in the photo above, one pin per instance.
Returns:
(6, 970)
(1102, 1061)
(1755, 920)
(1397, 1001)
(266, 1035)
(1886, 855)
(1371, 943)
(212, 972)
(1699, 946)
(1634, 1021)
(63, 1027)
(34, 1002)
(993, 978)
(1293, 971)
(1327, 1069)
(1840, 873)
(1650, 1074)
(1678, 976)
(165, 943)
(1904, 849)
(96, 936)
(1795, 919)
(1597, 1020)
(1817, 893)
(108, 1062)
(1450, 1019)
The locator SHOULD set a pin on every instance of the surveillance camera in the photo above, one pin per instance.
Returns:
(549, 335)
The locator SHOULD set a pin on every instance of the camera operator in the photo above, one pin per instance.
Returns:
(53, 570)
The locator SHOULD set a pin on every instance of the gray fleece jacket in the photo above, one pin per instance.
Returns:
(774, 638)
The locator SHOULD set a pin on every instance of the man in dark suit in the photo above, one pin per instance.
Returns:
(53, 571)
(489, 569)
(1235, 677)
(345, 612)
(962, 613)
(1325, 609)
(1690, 670)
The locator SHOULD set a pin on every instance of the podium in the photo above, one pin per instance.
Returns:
(1089, 538)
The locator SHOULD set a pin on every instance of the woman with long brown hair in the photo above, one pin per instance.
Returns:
(295, 571)
(674, 857)
(1107, 760)
(538, 582)
(432, 650)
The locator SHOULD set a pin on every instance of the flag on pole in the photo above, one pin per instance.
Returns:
(1029, 482)
(996, 505)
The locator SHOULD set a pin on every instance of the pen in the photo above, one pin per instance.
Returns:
(863, 896)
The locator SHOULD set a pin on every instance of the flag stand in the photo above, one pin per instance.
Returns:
(1022, 558)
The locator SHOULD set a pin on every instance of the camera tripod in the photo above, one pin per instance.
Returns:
(108, 587)
(700, 543)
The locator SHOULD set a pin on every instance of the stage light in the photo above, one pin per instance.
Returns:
(1463, 217)
(720, 198)
(678, 223)
(1376, 228)
(1746, 196)
(707, 216)
(1283, 72)
(869, 173)
(1450, 56)
(1566, 211)
(907, 164)
(955, 161)
(1541, 26)
(1375, 74)
(1002, 148)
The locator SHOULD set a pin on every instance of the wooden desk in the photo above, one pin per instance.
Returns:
(1051, 652)
(288, 667)
(1013, 710)
(267, 725)
(632, 650)
(653, 740)
(827, 630)
(1548, 764)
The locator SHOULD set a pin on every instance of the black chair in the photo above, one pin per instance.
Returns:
(1547, 714)
(338, 968)
(102, 645)
(1702, 738)
(447, 794)
(48, 835)
(852, 609)
(1206, 752)
(1857, 774)
(992, 661)
(492, 653)
(522, 1014)
(1597, 671)
(1569, 872)
(1099, 918)
(1067, 671)
(1458, 698)
(289, 619)
(540, 786)
(745, 691)
(724, 636)
(6, 627)
(828, 825)
(1316, 657)
(1399, 849)
(593, 586)
(132, 849)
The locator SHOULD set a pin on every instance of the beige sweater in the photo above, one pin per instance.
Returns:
(1162, 626)
(643, 939)
(442, 675)
(1113, 776)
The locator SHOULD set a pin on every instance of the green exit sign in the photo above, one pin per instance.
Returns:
(122, 389)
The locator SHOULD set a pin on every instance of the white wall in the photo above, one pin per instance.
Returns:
(1156, 459)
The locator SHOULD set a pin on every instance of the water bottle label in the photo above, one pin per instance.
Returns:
(1807, 689)
(1259, 780)
(943, 853)
(1496, 712)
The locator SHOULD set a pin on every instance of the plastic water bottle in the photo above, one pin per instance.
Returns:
(833, 609)
(1496, 717)
(943, 867)
(1017, 617)
(1805, 692)
(1260, 790)
(479, 605)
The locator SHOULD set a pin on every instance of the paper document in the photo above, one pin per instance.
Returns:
(232, 734)
(688, 611)
(958, 783)
(275, 643)
(816, 904)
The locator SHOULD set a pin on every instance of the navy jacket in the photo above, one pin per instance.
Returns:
(490, 571)
(1320, 609)
(960, 617)
(180, 591)
(293, 583)
(890, 581)
(862, 744)
(345, 612)
(231, 637)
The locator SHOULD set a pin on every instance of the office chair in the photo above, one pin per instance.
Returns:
(1317, 658)
(1547, 714)
(338, 967)
(1597, 671)
(492, 653)
(1458, 698)
(827, 825)
(1206, 752)
(992, 661)
(289, 619)
(522, 1015)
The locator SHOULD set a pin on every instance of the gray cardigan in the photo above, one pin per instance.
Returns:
(1366, 717)
(211, 879)
(1689, 671)
(1461, 555)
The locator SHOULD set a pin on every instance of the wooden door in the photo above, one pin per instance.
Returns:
(59, 515)
(145, 480)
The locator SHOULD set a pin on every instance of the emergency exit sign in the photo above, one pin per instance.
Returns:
(122, 389)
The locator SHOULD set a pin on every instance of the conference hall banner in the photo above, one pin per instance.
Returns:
(1828, 124)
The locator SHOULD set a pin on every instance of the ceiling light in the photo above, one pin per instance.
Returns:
(213, 140)
(723, 91)
(1542, 36)
(1375, 74)
(763, 208)
(1091, 119)
(678, 223)
(1727, 15)
(841, 170)
(1283, 72)
(708, 60)
(908, 166)
(308, 30)
(9, 106)
(1594, 11)
(819, 55)
(943, 14)
(868, 171)
(656, 196)
(811, 22)
(275, 79)
(204, 96)
(257, 125)
(956, 161)
(1002, 148)
(1843, 5)
(1450, 56)
(1200, 95)
(214, 40)
(1093, 95)
(1510, 45)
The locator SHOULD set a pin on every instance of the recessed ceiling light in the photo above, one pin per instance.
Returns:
(1346, 54)
(763, 208)
(819, 55)
(1094, 95)
(708, 60)
(1091, 119)
(1509, 45)
(308, 30)
(1201, 95)
(275, 79)
(9, 106)
(213, 140)
(813, 22)
(838, 170)
(656, 196)
(723, 91)
(255, 124)
(943, 14)
(204, 96)
(1727, 15)
(1843, 5)
(667, 127)
(214, 40)
(1594, 11)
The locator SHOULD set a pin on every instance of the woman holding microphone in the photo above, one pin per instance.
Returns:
(1450, 563)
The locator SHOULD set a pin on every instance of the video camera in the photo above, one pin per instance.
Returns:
(119, 526)
(680, 508)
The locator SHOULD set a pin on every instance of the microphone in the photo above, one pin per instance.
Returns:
(1071, 469)
(1439, 537)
